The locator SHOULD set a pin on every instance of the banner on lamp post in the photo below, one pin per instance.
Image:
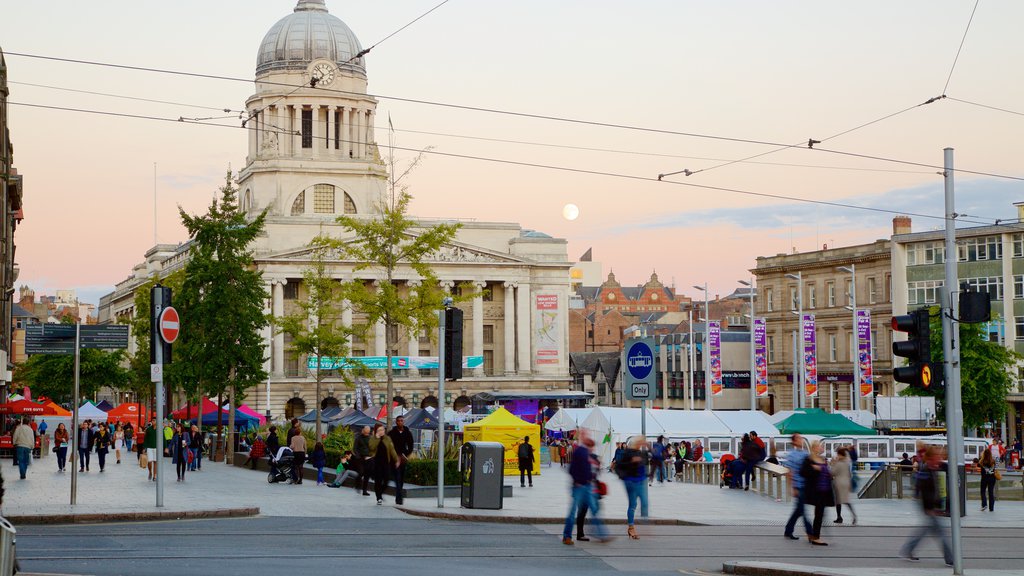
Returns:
(715, 356)
(867, 376)
(810, 357)
(760, 359)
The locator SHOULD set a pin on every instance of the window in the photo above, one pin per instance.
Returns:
(771, 349)
(991, 284)
(488, 333)
(299, 206)
(307, 128)
(926, 253)
(1018, 245)
(923, 292)
(832, 348)
(850, 296)
(488, 295)
(769, 296)
(874, 344)
(888, 287)
(294, 408)
(424, 337)
(1018, 286)
(872, 290)
(350, 206)
(337, 129)
(1019, 323)
(792, 298)
(489, 362)
(981, 248)
(323, 199)
(392, 333)
(830, 288)
(291, 290)
(812, 296)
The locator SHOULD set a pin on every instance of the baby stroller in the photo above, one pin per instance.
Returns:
(280, 465)
(726, 470)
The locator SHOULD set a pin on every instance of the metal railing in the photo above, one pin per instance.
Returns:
(768, 479)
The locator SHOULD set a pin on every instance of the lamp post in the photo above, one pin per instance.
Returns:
(753, 379)
(708, 398)
(852, 295)
(691, 350)
(798, 375)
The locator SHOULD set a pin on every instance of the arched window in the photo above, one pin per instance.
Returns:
(461, 402)
(294, 408)
(429, 401)
(329, 402)
(299, 206)
(247, 201)
(350, 206)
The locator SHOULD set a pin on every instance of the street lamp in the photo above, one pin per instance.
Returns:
(691, 350)
(854, 357)
(798, 371)
(708, 396)
(753, 367)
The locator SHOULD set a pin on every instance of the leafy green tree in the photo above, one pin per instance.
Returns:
(382, 245)
(224, 296)
(985, 373)
(314, 330)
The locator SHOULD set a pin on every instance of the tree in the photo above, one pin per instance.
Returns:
(224, 296)
(985, 373)
(382, 245)
(314, 330)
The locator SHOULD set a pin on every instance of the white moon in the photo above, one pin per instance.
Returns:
(571, 212)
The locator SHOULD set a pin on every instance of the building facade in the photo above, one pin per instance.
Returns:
(989, 259)
(10, 216)
(825, 292)
(312, 157)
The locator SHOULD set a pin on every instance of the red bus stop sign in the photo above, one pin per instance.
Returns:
(170, 326)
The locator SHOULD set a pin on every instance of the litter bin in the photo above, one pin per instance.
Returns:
(7, 533)
(483, 474)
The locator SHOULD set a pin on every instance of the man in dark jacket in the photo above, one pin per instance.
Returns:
(582, 472)
(931, 503)
(401, 437)
(362, 460)
(525, 455)
(84, 441)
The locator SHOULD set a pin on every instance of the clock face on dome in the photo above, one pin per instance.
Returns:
(323, 73)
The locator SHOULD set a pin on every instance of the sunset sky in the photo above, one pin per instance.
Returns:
(779, 72)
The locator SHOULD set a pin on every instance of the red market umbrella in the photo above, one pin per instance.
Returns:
(27, 407)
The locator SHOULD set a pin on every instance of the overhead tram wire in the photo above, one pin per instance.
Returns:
(124, 97)
(512, 113)
(980, 105)
(962, 40)
(542, 166)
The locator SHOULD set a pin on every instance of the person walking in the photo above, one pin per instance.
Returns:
(180, 452)
(581, 470)
(102, 441)
(842, 479)
(195, 446)
(149, 445)
(118, 441)
(817, 489)
(168, 434)
(525, 457)
(384, 456)
(402, 439)
(129, 436)
(83, 443)
(632, 469)
(928, 493)
(42, 428)
(988, 481)
(794, 463)
(60, 442)
(363, 462)
(318, 458)
(298, 446)
(657, 462)
(599, 489)
(24, 441)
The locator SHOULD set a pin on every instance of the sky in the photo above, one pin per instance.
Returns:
(775, 72)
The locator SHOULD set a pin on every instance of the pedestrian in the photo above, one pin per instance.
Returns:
(294, 429)
(384, 456)
(818, 490)
(620, 447)
(563, 456)
(582, 496)
(906, 462)
(600, 490)
(318, 458)
(168, 434)
(931, 503)
(195, 446)
(362, 459)
(84, 443)
(149, 439)
(298, 446)
(180, 452)
(403, 441)
(842, 479)
(43, 426)
(632, 469)
(525, 457)
(657, 462)
(129, 436)
(794, 463)
(60, 443)
(118, 441)
(750, 454)
(259, 448)
(102, 442)
(988, 481)
(343, 472)
(273, 445)
(24, 441)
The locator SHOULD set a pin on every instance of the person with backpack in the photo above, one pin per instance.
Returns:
(525, 455)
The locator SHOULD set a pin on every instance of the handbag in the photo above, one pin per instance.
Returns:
(601, 488)
(143, 461)
(191, 456)
(998, 475)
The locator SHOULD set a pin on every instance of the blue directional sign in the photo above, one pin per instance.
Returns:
(641, 379)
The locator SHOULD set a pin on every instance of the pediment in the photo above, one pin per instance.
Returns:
(452, 253)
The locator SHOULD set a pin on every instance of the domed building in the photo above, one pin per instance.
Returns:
(311, 157)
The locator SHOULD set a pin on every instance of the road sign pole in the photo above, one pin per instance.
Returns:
(951, 355)
(73, 437)
(440, 408)
(158, 377)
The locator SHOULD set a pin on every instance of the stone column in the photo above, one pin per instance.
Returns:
(332, 115)
(379, 329)
(278, 309)
(370, 132)
(253, 131)
(524, 337)
(478, 325)
(360, 127)
(318, 143)
(414, 334)
(267, 333)
(510, 328)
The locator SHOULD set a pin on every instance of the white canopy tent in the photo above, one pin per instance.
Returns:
(561, 422)
(89, 411)
(609, 425)
(688, 424)
(743, 421)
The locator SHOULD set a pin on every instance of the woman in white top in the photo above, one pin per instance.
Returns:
(118, 441)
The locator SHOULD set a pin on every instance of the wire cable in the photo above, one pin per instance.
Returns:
(962, 40)
(123, 97)
(984, 106)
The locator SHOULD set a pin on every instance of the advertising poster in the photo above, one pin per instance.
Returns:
(867, 375)
(760, 359)
(547, 330)
(810, 357)
(715, 356)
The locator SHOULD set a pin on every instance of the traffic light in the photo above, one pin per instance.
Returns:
(452, 344)
(919, 372)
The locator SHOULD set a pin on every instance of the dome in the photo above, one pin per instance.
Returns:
(308, 34)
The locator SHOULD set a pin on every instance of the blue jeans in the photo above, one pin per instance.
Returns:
(583, 498)
(798, 512)
(748, 471)
(195, 458)
(24, 456)
(933, 526)
(83, 458)
(128, 444)
(636, 490)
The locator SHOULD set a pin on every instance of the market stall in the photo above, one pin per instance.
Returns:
(504, 427)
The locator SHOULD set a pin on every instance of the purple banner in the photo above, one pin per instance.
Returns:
(760, 358)
(810, 357)
(867, 376)
(715, 356)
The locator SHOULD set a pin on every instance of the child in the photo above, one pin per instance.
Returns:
(319, 459)
(344, 472)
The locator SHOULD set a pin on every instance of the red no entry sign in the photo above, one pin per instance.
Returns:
(169, 325)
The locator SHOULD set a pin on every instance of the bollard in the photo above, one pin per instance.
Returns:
(7, 541)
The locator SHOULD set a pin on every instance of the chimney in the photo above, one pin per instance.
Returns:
(1020, 210)
(901, 225)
